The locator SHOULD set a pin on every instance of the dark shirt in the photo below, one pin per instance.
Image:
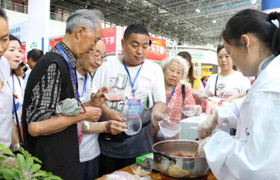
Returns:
(47, 92)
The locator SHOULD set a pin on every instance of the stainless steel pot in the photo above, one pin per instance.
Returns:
(179, 167)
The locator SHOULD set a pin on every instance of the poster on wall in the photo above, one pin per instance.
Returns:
(23, 52)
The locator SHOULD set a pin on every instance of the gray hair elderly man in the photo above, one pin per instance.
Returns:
(55, 139)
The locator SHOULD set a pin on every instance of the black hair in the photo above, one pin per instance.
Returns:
(257, 23)
(35, 54)
(136, 28)
(13, 38)
(187, 56)
(3, 14)
(220, 47)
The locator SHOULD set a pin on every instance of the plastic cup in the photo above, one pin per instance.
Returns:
(134, 125)
(114, 96)
(169, 129)
(189, 110)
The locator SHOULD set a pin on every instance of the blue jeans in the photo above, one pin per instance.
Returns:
(90, 169)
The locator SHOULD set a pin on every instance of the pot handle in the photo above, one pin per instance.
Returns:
(173, 159)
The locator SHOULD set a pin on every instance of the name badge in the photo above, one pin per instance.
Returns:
(134, 107)
(82, 99)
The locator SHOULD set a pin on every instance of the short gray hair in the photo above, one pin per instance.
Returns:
(183, 63)
(84, 17)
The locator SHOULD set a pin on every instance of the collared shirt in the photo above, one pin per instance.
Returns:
(265, 63)
(46, 93)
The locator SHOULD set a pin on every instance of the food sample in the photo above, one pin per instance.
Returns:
(179, 154)
(177, 171)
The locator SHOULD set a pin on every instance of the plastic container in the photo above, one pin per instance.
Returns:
(189, 110)
(134, 125)
(114, 96)
(140, 170)
(169, 129)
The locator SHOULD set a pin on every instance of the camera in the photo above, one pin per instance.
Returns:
(23, 65)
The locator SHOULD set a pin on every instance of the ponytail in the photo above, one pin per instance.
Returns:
(275, 43)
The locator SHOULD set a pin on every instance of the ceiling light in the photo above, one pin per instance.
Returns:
(197, 10)
(214, 21)
(254, 1)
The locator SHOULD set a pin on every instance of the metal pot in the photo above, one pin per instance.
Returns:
(179, 167)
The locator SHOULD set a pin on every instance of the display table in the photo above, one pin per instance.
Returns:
(156, 175)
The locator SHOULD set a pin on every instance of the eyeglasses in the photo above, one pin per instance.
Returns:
(98, 57)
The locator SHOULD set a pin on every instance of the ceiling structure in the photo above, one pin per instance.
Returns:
(192, 22)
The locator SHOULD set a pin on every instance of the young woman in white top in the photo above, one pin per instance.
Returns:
(14, 55)
(228, 82)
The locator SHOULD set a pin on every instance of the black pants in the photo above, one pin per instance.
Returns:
(90, 169)
(109, 164)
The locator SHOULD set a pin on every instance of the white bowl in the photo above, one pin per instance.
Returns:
(169, 129)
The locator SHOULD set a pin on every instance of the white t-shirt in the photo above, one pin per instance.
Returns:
(149, 82)
(18, 89)
(149, 86)
(89, 146)
(227, 86)
(6, 103)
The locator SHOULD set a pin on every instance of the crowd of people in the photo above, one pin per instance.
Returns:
(90, 137)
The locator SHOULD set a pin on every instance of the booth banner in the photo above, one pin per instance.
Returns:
(23, 52)
(35, 44)
(109, 39)
(157, 51)
(53, 42)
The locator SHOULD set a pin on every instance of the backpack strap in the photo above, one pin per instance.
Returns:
(183, 94)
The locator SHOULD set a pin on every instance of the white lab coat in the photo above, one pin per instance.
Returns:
(255, 153)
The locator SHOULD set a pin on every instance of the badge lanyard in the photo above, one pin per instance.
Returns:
(171, 94)
(85, 84)
(69, 65)
(13, 81)
(132, 83)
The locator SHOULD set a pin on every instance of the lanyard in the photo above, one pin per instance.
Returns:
(85, 83)
(171, 94)
(69, 65)
(132, 83)
(13, 83)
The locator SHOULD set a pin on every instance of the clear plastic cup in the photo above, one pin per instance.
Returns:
(114, 95)
(189, 110)
(134, 125)
(169, 129)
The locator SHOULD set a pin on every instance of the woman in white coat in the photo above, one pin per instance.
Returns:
(253, 42)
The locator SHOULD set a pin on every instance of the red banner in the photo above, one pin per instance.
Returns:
(157, 51)
(109, 38)
(23, 52)
(53, 42)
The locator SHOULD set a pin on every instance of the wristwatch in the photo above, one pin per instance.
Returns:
(15, 147)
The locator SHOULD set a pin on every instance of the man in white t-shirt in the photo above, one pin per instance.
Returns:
(89, 146)
(143, 83)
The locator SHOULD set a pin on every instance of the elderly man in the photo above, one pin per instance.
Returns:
(89, 146)
(55, 139)
(143, 84)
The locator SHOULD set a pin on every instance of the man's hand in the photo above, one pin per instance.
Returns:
(114, 115)
(98, 99)
(93, 113)
(115, 127)
(201, 145)
(206, 127)
(158, 116)
(11, 161)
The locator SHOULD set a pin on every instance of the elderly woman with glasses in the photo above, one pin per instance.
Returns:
(177, 95)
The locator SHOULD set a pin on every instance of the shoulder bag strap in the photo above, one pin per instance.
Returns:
(18, 126)
(215, 91)
(183, 94)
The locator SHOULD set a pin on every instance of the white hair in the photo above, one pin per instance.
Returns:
(84, 17)
(182, 62)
